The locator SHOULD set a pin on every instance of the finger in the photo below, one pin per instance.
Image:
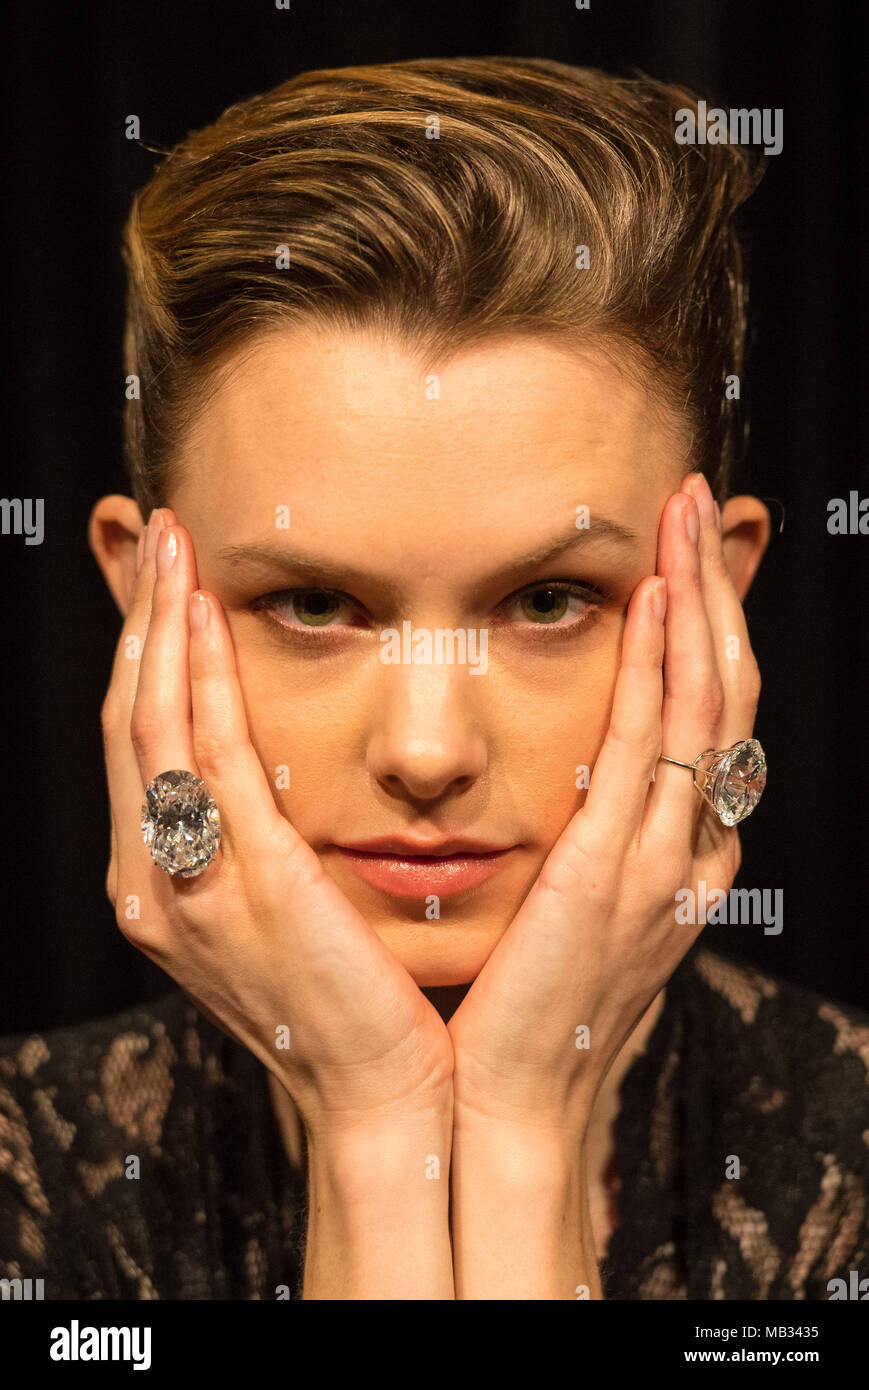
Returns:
(125, 666)
(160, 724)
(693, 692)
(737, 665)
(612, 815)
(122, 770)
(126, 791)
(222, 747)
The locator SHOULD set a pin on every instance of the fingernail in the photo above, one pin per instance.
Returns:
(198, 608)
(692, 522)
(155, 526)
(167, 549)
(718, 519)
(659, 600)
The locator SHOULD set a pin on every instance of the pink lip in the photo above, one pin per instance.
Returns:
(410, 869)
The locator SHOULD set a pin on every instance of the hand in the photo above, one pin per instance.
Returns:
(263, 937)
(597, 936)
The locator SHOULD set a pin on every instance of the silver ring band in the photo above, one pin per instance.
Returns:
(731, 780)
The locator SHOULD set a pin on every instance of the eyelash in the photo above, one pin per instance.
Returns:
(587, 593)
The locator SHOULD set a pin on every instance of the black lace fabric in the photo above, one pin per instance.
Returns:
(743, 1067)
(140, 1157)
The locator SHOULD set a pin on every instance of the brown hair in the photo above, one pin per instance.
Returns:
(441, 240)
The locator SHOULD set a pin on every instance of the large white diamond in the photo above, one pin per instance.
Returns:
(739, 782)
(180, 823)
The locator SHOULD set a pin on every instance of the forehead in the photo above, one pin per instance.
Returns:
(348, 428)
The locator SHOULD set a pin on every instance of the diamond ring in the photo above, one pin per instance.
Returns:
(731, 779)
(180, 823)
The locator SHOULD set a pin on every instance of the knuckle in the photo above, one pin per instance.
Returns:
(649, 749)
(644, 748)
(711, 701)
(145, 728)
(205, 665)
(211, 747)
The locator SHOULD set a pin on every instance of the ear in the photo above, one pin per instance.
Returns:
(114, 528)
(745, 526)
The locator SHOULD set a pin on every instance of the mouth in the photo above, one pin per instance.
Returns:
(408, 869)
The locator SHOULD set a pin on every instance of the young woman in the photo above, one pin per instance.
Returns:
(435, 620)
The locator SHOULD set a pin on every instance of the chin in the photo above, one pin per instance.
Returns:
(435, 953)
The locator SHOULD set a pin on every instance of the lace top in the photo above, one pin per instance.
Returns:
(741, 1156)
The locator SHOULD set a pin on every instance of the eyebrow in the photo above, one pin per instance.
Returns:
(255, 557)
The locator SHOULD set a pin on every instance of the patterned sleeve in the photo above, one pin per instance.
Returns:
(76, 1105)
(744, 1144)
(140, 1159)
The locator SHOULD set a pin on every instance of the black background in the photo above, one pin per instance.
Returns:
(74, 73)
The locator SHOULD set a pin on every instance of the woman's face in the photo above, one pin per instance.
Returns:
(330, 462)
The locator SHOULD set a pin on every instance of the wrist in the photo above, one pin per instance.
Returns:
(379, 1210)
(360, 1156)
(551, 1140)
(520, 1212)
(540, 1159)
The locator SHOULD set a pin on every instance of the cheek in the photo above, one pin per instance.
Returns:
(307, 740)
(557, 735)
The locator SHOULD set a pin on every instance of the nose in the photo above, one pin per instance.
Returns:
(427, 741)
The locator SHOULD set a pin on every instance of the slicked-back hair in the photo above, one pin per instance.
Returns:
(443, 201)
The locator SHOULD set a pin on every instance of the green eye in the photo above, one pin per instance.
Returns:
(566, 606)
(544, 605)
(563, 605)
(315, 607)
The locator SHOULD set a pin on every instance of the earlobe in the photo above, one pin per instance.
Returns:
(113, 536)
(746, 529)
